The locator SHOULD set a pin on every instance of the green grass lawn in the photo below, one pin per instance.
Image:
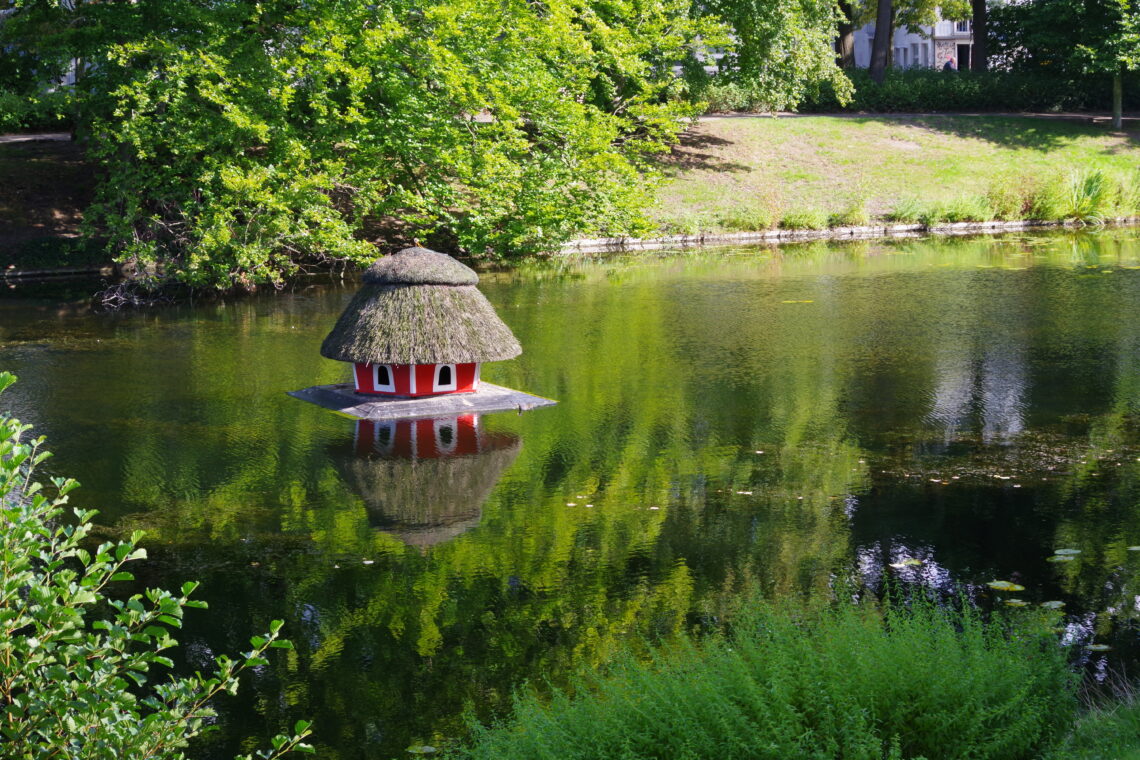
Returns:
(829, 163)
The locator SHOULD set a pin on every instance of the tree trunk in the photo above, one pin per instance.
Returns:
(881, 47)
(1118, 100)
(845, 38)
(979, 54)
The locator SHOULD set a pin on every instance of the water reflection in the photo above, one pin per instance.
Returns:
(762, 421)
(425, 481)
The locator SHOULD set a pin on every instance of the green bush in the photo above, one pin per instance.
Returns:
(78, 667)
(43, 111)
(925, 90)
(912, 681)
(804, 219)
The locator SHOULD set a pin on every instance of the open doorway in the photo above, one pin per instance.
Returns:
(964, 57)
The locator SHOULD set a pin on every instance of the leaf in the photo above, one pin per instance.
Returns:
(1005, 586)
(1067, 551)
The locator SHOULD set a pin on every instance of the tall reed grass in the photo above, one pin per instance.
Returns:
(851, 682)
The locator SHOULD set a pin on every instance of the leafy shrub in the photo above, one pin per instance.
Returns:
(42, 111)
(855, 215)
(913, 681)
(804, 219)
(76, 665)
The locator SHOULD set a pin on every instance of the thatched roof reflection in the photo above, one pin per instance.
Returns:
(425, 501)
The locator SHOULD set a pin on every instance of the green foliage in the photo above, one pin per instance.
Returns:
(906, 211)
(1108, 730)
(854, 215)
(77, 664)
(238, 143)
(1088, 197)
(1010, 198)
(912, 681)
(804, 219)
(751, 218)
(1072, 37)
(929, 90)
(42, 111)
(781, 51)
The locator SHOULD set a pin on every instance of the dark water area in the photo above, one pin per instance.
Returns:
(943, 413)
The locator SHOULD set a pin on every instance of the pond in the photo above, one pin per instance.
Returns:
(731, 422)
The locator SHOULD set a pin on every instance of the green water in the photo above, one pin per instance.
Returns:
(728, 422)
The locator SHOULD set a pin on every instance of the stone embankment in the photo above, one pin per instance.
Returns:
(838, 234)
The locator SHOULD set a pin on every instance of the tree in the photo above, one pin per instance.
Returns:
(781, 49)
(1072, 38)
(75, 660)
(881, 46)
(979, 54)
(237, 142)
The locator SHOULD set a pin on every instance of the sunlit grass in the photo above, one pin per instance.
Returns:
(831, 162)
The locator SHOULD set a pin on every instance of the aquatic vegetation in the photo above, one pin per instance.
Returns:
(1005, 586)
(1053, 605)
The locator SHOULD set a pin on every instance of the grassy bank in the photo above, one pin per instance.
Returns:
(753, 173)
(847, 682)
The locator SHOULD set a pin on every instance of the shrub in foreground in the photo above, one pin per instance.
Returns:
(851, 682)
(78, 668)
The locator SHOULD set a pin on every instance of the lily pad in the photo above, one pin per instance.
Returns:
(908, 562)
(1005, 586)
(1098, 647)
(1134, 548)
(1053, 605)
(1061, 558)
(1017, 602)
(1067, 551)
(421, 749)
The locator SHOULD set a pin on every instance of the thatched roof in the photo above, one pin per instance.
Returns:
(424, 502)
(419, 307)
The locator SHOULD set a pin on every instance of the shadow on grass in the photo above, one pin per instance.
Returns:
(688, 155)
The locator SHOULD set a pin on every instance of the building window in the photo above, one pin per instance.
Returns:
(444, 377)
(382, 378)
(961, 26)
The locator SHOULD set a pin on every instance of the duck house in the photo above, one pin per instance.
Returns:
(417, 334)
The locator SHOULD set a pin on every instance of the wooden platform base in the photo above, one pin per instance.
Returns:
(489, 398)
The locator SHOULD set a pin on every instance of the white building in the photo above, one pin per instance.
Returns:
(931, 49)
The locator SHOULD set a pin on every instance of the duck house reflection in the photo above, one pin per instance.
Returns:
(425, 481)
